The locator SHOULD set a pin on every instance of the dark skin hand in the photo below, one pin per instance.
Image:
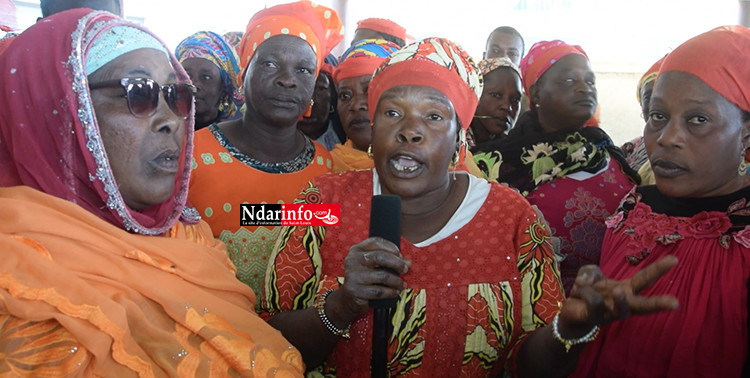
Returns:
(363, 280)
(594, 300)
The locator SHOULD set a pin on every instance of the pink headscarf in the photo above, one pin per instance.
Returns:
(49, 135)
(542, 55)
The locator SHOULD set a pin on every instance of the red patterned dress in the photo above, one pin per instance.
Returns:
(471, 296)
(708, 335)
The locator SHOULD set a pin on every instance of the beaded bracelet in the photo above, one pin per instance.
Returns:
(589, 337)
(320, 305)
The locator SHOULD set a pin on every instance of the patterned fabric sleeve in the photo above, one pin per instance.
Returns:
(541, 287)
(293, 275)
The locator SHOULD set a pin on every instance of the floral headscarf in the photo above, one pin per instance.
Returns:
(491, 64)
(212, 47)
(363, 58)
(55, 145)
(317, 25)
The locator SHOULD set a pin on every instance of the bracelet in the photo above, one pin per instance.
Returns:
(320, 305)
(589, 337)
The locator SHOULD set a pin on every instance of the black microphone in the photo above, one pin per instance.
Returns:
(385, 222)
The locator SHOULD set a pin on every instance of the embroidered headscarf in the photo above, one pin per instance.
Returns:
(363, 58)
(317, 25)
(718, 58)
(491, 64)
(383, 26)
(648, 77)
(49, 135)
(542, 55)
(212, 47)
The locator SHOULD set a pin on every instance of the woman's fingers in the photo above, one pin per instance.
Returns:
(648, 275)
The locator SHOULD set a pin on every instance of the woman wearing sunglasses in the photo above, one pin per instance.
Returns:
(106, 271)
(264, 157)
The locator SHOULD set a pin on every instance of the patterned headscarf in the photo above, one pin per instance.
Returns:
(363, 58)
(648, 77)
(212, 47)
(317, 25)
(383, 26)
(436, 63)
(55, 145)
(542, 56)
(491, 64)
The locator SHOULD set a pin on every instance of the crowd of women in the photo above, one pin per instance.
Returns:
(530, 244)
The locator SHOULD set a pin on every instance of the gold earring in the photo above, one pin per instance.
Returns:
(455, 159)
(369, 151)
(312, 102)
(742, 169)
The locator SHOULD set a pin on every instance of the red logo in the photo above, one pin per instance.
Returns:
(310, 214)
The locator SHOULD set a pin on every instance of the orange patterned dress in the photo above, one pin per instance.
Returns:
(471, 297)
(223, 178)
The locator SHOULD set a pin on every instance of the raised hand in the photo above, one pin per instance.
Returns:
(597, 300)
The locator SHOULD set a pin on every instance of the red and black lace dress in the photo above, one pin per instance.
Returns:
(708, 335)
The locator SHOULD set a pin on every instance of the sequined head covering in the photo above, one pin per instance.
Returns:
(118, 41)
(542, 55)
(55, 145)
(363, 58)
(317, 25)
(212, 47)
(648, 77)
(491, 64)
(383, 26)
(436, 63)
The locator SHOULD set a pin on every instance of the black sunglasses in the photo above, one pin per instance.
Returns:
(143, 95)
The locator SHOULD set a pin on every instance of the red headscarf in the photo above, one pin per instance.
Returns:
(719, 58)
(317, 25)
(49, 135)
(383, 26)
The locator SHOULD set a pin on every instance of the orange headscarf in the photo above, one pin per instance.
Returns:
(719, 58)
(383, 26)
(317, 25)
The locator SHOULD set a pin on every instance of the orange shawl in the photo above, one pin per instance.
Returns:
(80, 296)
(346, 158)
